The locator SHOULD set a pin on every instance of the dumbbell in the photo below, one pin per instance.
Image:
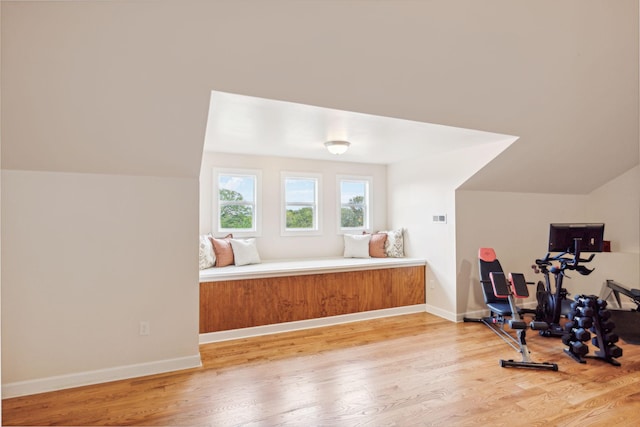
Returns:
(575, 336)
(614, 351)
(583, 301)
(578, 347)
(608, 326)
(582, 322)
(581, 310)
(582, 334)
(572, 329)
(604, 314)
(584, 311)
(608, 339)
(569, 326)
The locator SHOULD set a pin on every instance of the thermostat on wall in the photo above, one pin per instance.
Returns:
(441, 219)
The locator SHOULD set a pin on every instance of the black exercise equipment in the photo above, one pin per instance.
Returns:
(499, 295)
(605, 339)
(616, 289)
(553, 303)
(499, 308)
(580, 319)
(588, 311)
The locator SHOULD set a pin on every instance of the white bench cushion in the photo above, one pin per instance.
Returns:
(279, 268)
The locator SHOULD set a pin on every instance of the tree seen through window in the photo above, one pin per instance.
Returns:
(300, 203)
(352, 216)
(354, 203)
(236, 202)
(233, 215)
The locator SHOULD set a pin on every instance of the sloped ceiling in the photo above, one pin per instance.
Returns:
(124, 87)
(265, 127)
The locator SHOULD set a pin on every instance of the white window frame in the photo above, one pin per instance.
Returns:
(368, 218)
(316, 205)
(256, 204)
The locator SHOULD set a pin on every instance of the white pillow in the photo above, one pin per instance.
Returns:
(394, 246)
(245, 251)
(207, 257)
(356, 245)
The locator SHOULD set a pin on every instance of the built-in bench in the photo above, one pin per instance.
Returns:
(280, 292)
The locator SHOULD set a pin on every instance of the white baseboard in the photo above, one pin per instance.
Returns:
(60, 382)
(441, 313)
(477, 314)
(307, 324)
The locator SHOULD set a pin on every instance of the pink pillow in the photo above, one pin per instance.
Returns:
(376, 245)
(223, 250)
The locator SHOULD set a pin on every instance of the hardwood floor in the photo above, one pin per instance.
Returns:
(407, 370)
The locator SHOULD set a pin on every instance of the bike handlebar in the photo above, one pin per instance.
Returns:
(570, 263)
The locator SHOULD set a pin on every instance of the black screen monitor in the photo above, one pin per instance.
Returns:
(564, 237)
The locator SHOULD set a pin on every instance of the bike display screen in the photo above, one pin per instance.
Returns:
(576, 237)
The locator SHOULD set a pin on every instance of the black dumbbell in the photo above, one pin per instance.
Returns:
(615, 351)
(582, 334)
(583, 301)
(583, 322)
(604, 314)
(608, 326)
(582, 311)
(608, 339)
(578, 348)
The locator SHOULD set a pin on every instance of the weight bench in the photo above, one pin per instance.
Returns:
(500, 295)
(516, 287)
(616, 289)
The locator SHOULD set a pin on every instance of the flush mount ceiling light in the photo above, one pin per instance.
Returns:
(337, 147)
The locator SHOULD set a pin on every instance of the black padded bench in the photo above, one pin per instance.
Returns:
(617, 289)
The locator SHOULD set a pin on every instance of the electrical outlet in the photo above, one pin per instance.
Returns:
(145, 327)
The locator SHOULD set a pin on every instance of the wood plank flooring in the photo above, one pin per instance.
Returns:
(399, 371)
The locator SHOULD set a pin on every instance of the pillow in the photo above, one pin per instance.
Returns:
(394, 246)
(207, 257)
(245, 251)
(356, 246)
(223, 250)
(376, 245)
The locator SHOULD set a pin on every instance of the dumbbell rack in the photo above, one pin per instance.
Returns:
(588, 313)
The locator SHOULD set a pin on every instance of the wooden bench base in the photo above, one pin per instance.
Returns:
(234, 304)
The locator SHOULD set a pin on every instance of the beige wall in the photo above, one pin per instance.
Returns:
(86, 257)
(516, 225)
(618, 203)
(421, 188)
(271, 245)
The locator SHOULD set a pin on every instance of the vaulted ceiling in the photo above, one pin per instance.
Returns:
(125, 87)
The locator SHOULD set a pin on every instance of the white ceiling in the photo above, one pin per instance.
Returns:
(249, 125)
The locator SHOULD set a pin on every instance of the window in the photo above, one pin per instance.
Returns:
(354, 212)
(300, 203)
(236, 207)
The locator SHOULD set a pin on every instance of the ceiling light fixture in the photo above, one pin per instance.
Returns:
(337, 147)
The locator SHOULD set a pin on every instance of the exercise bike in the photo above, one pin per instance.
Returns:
(552, 304)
